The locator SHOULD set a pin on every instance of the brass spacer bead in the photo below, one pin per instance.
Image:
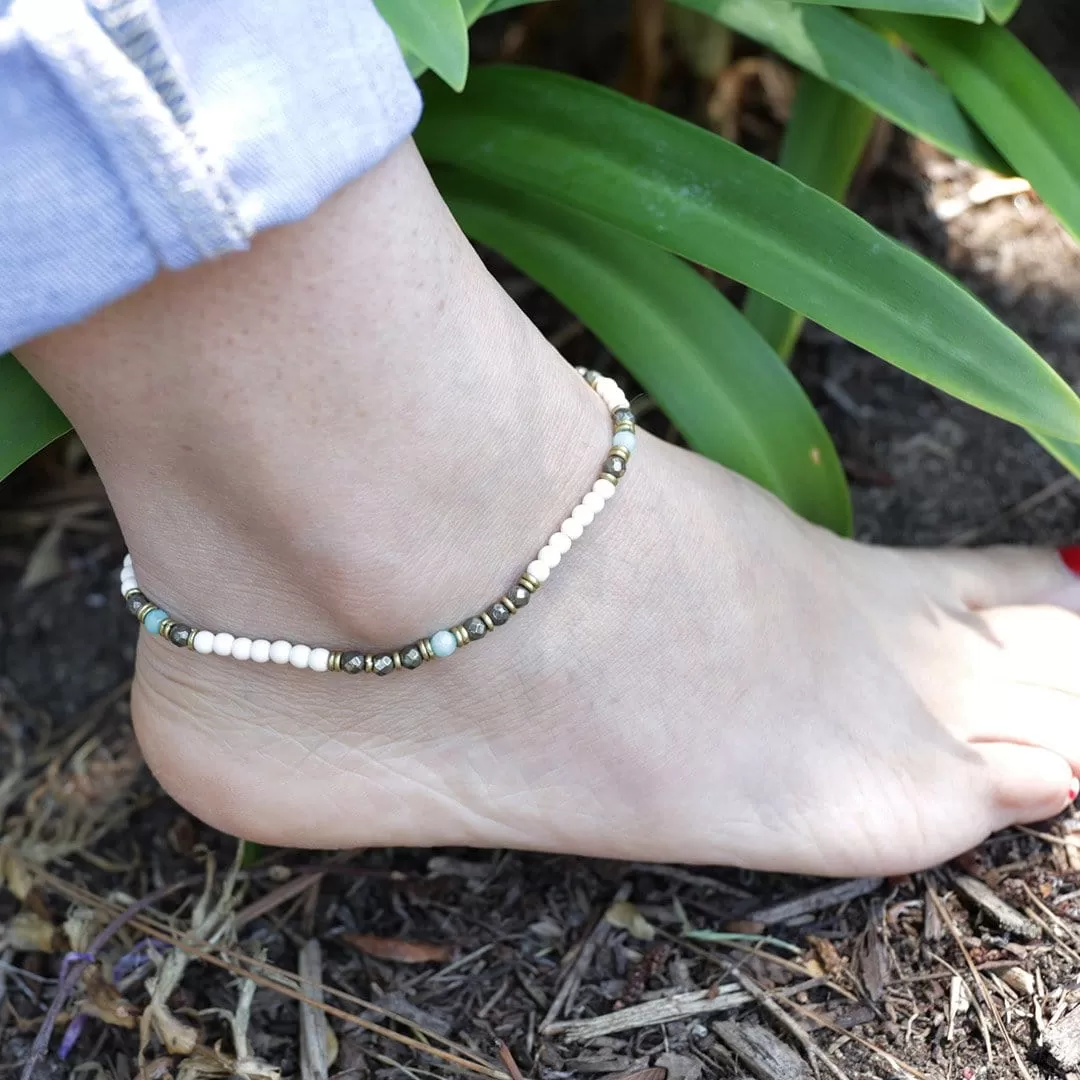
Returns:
(334, 663)
(529, 582)
(461, 634)
(488, 621)
(144, 610)
(165, 628)
(625, 426)
(191, 639)
(369, 663)
(128, 592)
(510, 605)
(397, 660)
(619, 452)
(424, 645)
(607, 476)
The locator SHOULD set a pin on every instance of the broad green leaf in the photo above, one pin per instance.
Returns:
(505, 5)
(1018, 104)
(823, 144)
(1001, 11)
(433, 35)
(702, 197)
(969, 10)
(842, 51)
(1067, 453)
(714, 377)
(28, 418)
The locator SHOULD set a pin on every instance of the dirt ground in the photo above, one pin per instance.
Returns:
(437, 962)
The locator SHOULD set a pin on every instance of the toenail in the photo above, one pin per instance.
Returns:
(1070, 556)
(1074, 789)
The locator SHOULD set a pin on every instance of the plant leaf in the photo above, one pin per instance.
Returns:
(714, 377)
(823, 144)
(704, 198)
(1001, 11)
(28, 418)
(433, 35)
(505, 5)
(1018, 104)
(842, 51)
(968, 10)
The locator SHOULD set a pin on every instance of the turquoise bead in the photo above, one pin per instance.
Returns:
(443, 643)
(625, 439)
(154, 619)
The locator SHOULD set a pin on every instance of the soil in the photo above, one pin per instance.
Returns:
(918, 976)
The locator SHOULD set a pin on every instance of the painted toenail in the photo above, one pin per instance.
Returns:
(1070, 556)
(1074, 789)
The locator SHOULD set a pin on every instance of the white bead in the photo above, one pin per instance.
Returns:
(223, 644)
(593, 502)
(299, 655)
(560, 542)
(619, 401)
(279, 652)
(604, 488)
(319, 660)
(549, 556)
(572, 528)
(204, 642)
(241, 648)
(582, 514)
(260, 650)
(539, 570)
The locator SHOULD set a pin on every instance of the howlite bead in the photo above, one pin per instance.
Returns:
(475, 627)
(352, 662)
(411, 657)
(135, 601)
(623, 416)
(499, 613)
(383, 665)
(519, 596)
(180, 635)
(443, 643)
(615, 466)
(154, 619)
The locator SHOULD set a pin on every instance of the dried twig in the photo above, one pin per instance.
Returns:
(1006, 916)
(314, 1030)
(817, 900)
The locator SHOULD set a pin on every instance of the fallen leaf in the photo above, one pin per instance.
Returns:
(625, 916)
(176, 1035)
(1016, 978)
(211, 1062)
(105, 1002)
(158, 1069)
(404, 952)
(29, 932)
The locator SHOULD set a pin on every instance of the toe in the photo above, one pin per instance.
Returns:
(1028, 783)
(992, 577)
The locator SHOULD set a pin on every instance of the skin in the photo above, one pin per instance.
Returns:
(350, 434)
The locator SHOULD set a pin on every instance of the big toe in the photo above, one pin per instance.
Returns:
(1028, 783)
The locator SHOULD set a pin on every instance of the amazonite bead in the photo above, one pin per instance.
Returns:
(626, 439)
(154, 619)
(443, 643)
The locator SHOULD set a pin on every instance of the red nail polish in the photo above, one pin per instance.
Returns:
(1070, 556)
(1074, 789)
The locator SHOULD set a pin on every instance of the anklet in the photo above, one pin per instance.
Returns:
(443, 642)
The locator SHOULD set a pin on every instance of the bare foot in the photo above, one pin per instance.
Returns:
(334, 447)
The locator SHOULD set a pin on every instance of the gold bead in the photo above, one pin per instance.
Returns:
(619, 452)
(144, 611)
(488, 621)
(424, 645)
(529, 582)
(397, 660)
(166, 627)
(625, 426)
(461, 634)
(608, 476)
(369, 663)
(510, 605)
(133, 589)
(191, 638)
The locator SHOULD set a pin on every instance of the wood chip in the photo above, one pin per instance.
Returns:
(1061, 1041)
(1006, 916)
(817, 900)
(651, 1013)
(404, 952)
(763, 1053)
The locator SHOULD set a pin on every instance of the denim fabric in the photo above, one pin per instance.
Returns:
(136, 136)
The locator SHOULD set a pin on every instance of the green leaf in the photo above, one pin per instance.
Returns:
(969, 10)
(823, 144)
(1001, 11)
(699, 196)
(714, 377)
(1013, 98)
(842, 51)
(433, 35)
(505, 5)
(28, 418)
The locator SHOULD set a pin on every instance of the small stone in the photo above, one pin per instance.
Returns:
(411, 657)
(134, 602)
(383, 665)
(623, 416)
(499, 613)
(180, 635)
(353, 662)
(519, 596)
(615, 466)
(475, 627)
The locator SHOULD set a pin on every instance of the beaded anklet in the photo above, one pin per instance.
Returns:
(443, 642)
